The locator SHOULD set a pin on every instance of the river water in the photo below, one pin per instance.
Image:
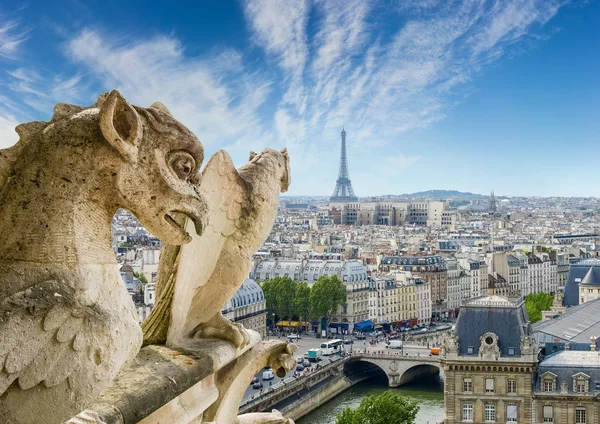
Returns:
(429, 393)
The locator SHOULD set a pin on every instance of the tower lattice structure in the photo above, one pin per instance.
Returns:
(492, 206)
(343, 191)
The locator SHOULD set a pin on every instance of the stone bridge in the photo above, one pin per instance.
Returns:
(399, 369)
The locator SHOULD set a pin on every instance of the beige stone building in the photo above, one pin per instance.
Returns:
(489, 364)
(431, 213)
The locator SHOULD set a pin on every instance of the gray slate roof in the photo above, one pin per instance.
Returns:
(577, 324)
(592, 278)
(566, 363)
(577, 272)
(493, 314)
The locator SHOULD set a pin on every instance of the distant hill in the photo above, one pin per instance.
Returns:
(446, 194)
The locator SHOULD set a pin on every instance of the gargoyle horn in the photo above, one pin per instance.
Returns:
(28, 128)
(160, 106)
(252, 155)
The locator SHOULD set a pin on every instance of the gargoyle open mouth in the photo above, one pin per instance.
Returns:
(177, 220)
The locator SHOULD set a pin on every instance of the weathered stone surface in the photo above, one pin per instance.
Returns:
(67, 323)
(242, 206)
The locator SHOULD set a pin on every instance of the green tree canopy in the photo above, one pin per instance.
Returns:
(279, 296)
(535, 303)
(141, 277)
(383, 408)
(326, 295)
(302, 301)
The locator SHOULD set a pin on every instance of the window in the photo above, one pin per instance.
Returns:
(580, 387)
(489, 385)
(470, 350)
(467, 385)
(511, 386)
(490, 413)
(511, 413)
(548, 414)
(580, 415)
(467, 411)
(548, 385)
(511, 351)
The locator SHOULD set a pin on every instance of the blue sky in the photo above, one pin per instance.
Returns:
(471, 95)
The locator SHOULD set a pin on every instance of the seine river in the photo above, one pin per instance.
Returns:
(429, 393)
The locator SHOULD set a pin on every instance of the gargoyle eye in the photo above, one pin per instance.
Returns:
(182, 164)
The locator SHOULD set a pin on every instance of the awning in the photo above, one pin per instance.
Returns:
(295, 324)
(378, 326)
(363, 325)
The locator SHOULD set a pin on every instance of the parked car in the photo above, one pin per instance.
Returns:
(294, 336)
(257, 385)
(348, 341)
(360, 337)
(306, 363)
(299, 367)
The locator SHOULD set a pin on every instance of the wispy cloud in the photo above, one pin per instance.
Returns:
(11, 37)
(380, 70)
(213, 95)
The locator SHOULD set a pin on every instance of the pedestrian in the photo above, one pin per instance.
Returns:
(298, 395)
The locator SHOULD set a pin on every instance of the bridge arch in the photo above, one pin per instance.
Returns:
(357, 369)
(398, 370)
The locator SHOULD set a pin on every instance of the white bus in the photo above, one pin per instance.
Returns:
(331, 347)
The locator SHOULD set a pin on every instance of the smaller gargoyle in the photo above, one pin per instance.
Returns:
(197, 279)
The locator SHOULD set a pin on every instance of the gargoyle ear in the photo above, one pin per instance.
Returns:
(121, 125)
(252, 155)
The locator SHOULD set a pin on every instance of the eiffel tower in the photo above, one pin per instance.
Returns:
(343, 187)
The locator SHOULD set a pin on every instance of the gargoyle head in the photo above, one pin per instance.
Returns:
(278, 161)
(159, 171)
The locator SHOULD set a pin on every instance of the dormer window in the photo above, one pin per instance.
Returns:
(548, 382)
(581, 383)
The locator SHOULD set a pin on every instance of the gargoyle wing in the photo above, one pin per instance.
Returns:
(224, 192)
(44, 339)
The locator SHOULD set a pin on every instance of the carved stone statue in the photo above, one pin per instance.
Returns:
(67, 323)
(449, 345)
(197, 279)
(528, 345)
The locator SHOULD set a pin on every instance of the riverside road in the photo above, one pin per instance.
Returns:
(307, 343)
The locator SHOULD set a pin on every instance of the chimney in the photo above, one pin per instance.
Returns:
(593, 343)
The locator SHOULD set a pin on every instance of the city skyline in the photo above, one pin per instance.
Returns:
(470, 96)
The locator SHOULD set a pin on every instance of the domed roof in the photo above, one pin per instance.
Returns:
(249, 293)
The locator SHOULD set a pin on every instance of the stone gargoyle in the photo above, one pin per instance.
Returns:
(67, 323)
(197, 279)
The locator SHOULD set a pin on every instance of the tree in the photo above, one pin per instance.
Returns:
(302, 301)
(141, 277)
(535, 303)
(326, 295)
(279, 296)
(383, 408)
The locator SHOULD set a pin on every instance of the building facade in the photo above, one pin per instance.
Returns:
(432, 269)
(431, 214)
(489, 364)
(248, 307)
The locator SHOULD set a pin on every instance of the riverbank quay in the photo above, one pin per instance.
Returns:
(297, 396)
